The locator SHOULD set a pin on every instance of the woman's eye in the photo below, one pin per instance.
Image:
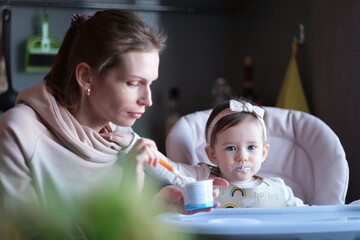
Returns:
(231, 148)
(133, 84)
(252, 147)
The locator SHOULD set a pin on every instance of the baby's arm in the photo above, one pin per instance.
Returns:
(164, 175)
(291, 200)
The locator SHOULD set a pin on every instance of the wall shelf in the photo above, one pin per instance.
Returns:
(132, 7)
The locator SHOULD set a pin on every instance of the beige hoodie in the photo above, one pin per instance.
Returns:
(42, 145)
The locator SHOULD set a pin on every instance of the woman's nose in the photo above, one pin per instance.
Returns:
(145, 98)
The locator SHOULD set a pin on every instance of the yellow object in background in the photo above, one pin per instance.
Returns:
(292, 94)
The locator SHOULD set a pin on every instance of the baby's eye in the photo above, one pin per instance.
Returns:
(231, 148)
(252, 147)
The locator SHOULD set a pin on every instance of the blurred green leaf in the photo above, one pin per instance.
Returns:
(104, 215)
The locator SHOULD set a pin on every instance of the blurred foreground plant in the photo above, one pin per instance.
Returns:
(107, 214)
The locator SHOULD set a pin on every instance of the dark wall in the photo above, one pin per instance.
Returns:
(265, 30)
(336, 77)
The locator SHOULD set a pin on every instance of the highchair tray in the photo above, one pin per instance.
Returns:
(309, 222)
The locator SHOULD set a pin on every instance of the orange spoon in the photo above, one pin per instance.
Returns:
(170, 168)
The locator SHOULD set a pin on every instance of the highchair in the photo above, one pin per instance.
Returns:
(304, 152)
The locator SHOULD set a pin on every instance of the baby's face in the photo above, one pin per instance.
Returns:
(240, 150)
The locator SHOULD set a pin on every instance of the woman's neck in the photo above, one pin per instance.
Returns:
(86, 120)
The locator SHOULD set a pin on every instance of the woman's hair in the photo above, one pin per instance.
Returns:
(100, 41)
(225, 122)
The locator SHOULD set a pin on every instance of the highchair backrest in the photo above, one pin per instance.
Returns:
(304, 152)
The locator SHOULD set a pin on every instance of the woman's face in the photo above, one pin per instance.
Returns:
(122, 95)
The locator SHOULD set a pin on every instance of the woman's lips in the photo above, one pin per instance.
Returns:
(136, 115)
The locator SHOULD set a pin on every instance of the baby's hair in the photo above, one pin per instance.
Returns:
(226, 121)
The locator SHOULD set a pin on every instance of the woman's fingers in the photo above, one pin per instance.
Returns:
(216, 192)
(123, 139)
(217, 204)
(218, 182)
(171, 198)
(144, 150)
(221, 182)
(148, 149)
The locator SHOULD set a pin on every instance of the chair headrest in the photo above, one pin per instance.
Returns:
(304, 151)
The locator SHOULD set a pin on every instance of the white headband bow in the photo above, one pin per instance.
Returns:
(236, 106)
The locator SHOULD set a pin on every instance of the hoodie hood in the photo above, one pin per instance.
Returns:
(80, 139)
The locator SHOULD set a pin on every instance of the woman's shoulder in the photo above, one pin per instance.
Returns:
(19, 110)
(20, 127)
(20, 118)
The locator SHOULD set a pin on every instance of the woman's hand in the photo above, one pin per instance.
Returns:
(144, 147)
(170, 198)
(144, 151)
(123, 139)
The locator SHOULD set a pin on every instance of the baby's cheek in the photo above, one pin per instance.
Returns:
(225, 173)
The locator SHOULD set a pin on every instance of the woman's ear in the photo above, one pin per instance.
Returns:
(211, 154)
(83, 75)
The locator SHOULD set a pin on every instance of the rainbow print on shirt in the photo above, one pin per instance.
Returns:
(237, 189)
(266, 183)
(229, 205)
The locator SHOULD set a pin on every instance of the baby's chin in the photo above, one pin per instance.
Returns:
(243, 178)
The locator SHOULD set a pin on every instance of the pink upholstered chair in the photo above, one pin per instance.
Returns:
(304, 151)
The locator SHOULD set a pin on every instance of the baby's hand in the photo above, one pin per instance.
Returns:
(123, 139)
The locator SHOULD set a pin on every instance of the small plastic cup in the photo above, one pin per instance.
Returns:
(198, 195)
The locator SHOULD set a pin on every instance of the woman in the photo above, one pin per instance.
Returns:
(61, 133)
